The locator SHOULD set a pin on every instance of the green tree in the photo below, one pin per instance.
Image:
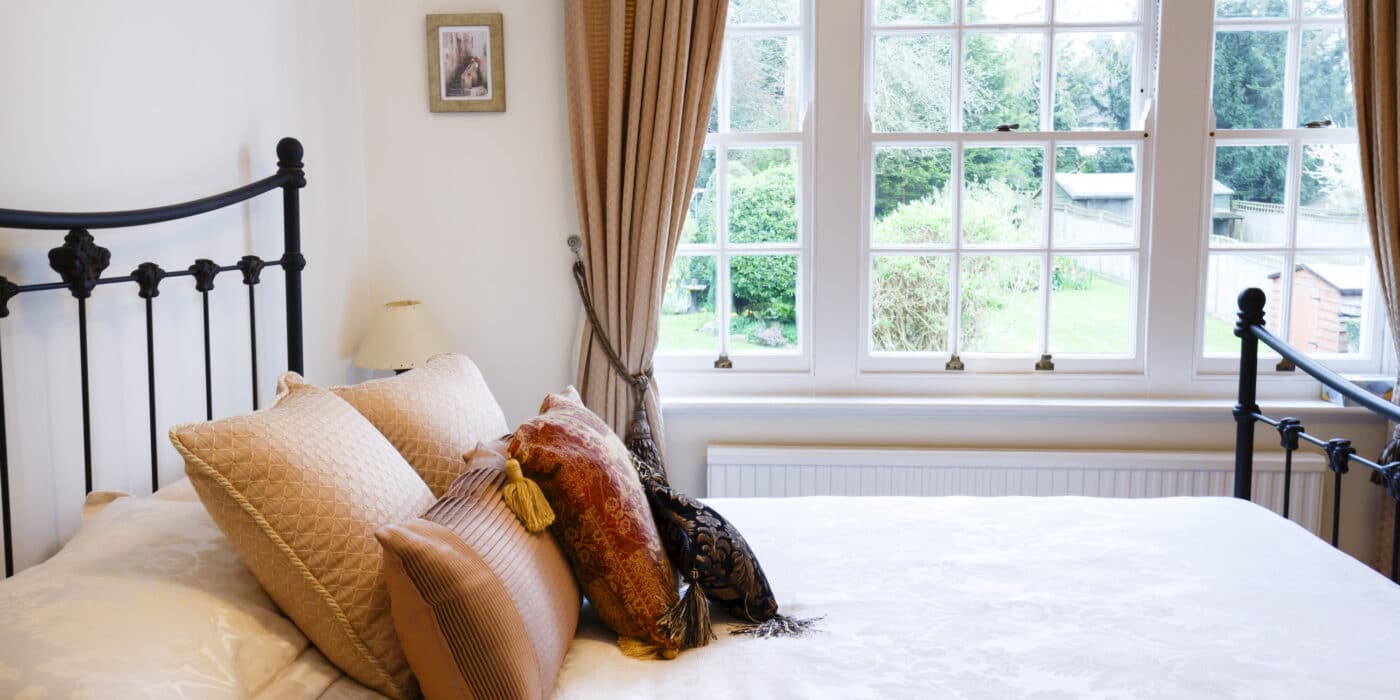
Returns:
(1093, 81)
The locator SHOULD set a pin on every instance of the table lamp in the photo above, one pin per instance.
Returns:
(401, 336)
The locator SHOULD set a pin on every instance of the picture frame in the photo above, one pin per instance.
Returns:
(466, 63)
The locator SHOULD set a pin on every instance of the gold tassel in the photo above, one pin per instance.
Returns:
(635, 648)
(524, 498)
(688, 621)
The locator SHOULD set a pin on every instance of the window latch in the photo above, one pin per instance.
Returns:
(1007, 128)
(1318, 124)
(955, 364)
(723, 363)
(1045, 364)
(1285, 365)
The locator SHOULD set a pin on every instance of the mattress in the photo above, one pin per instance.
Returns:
(919, 597)
(1031, 598)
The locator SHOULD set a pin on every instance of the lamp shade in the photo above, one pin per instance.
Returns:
(401, 336)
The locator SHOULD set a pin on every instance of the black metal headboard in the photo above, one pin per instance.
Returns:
(80, 262)
(1340, 454)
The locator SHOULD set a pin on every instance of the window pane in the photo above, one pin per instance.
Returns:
(1096, 10)
(1324, 79)
(764, 315)
(1248, 92)
(1332, 211)
(913, 82)
(763, 12)
(713, 125)
(1007, 11)
(700, 220)
(1251, 8)
(1095, 195)
(1228, 275)
(1322, 8)
(1091, 302)
(762, 195)
(1001, 81)
(1000, 304)
(1094, 80)
(912, 202)
(910, 11)
(689, 322)
(909, 297)
(763, 83)
(1328, 298)
(1001, 195)
(1248, 195)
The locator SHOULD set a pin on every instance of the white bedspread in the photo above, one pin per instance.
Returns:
(1032, 598)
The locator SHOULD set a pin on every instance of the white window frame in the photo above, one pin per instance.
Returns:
(1172, 238)
(723, 141)
(873, 362)
(1372, 358)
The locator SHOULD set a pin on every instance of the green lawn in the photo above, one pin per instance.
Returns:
(1090, 321)
(1220, 337)
(684, 333)
(1094, 320)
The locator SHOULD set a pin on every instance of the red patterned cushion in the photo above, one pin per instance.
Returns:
(601, 517)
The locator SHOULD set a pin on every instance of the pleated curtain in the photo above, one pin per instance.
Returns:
(641, 77)
(1372, 30)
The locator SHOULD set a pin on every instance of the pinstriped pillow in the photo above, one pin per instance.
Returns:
(484, 609)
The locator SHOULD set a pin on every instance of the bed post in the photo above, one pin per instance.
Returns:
(289, 154)
(1251, 303)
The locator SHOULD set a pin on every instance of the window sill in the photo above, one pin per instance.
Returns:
(810, 406)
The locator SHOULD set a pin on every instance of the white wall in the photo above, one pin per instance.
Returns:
(469, 211)
(123, 105)
(110, 106)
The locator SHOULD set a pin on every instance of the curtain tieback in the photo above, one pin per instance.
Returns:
(639, 439)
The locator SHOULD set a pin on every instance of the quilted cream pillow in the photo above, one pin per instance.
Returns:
(433, 414)
(299, 488)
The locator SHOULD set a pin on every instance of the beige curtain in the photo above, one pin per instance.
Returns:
(1372, 30)
(641, 76)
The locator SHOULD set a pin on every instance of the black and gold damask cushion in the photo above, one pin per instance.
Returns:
(709, 552)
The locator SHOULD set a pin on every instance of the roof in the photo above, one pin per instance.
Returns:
(1342, 278)
(1110, 185)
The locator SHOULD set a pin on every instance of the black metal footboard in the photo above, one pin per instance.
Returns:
(80, 263)
(1340, 454)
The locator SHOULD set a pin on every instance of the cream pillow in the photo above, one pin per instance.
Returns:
(299, 488)
(433, 415)
(147, 600)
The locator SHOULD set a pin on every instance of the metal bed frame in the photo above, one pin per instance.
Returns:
(1340, 454)
(80, 262)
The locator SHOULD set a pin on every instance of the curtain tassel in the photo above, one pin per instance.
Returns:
(639, 440)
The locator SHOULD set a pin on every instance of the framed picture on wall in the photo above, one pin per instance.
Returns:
(466, 63)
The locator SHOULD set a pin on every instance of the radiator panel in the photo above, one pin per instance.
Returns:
(746, 472)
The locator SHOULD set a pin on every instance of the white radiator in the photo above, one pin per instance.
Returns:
(742, 471)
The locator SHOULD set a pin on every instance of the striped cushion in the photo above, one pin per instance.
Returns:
(484, 608)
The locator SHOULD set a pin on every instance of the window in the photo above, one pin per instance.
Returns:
(1004, 219)
(1286, 210)
(735, 289)
(924, 197)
